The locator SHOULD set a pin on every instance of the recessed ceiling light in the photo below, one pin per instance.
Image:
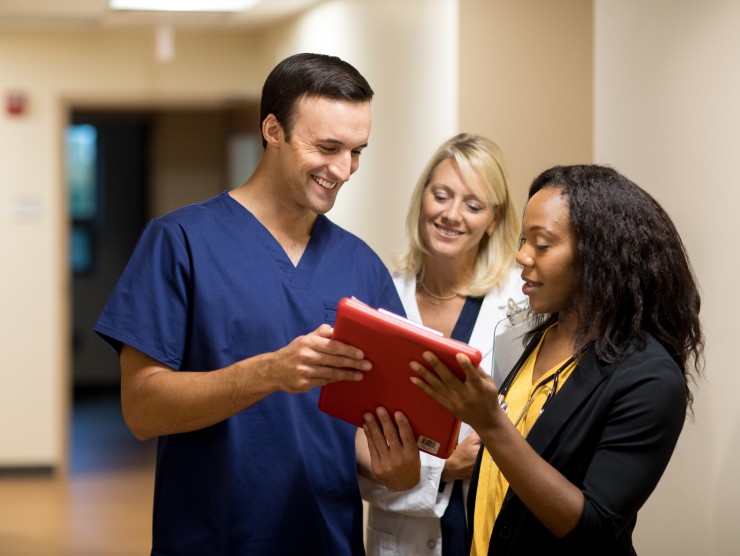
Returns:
(184, 5)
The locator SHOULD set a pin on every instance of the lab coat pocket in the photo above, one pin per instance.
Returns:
(381, 544)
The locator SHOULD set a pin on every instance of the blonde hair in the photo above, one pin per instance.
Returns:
(478, 156)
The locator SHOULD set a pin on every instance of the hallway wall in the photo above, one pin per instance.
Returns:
(526, 73)
(666, 112)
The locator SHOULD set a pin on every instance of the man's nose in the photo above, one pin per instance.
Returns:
(341, 167)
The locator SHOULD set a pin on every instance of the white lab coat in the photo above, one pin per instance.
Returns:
(408, 523)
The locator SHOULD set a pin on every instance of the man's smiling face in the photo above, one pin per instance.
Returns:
(323, 150)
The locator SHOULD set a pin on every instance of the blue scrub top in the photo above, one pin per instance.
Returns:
(206, 286)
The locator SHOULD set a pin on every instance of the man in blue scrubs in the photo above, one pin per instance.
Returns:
(223, 321)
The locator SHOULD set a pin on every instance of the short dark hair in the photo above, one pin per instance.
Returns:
(634, 275)
(309, 75)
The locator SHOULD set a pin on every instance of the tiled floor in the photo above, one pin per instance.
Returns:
(101, 508)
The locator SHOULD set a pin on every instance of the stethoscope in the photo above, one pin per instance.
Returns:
(554, 378)
(516, 313)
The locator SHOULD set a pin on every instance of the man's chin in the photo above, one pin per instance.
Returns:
(323, 209)
(322, 206)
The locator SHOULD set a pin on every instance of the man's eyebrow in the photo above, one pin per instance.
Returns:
(331, 141)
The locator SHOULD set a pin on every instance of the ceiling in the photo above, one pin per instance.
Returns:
(95, 14)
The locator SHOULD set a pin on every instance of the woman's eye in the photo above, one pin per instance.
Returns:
(473, 207)
(537, 246)
(439, 198)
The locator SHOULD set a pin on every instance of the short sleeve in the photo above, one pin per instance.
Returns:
(149, 306)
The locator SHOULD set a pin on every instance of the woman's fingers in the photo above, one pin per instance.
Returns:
(394, 457)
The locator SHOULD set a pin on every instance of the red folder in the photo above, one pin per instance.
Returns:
(390, 342)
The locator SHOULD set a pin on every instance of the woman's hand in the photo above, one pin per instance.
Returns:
(460, 464)
(552, 498)
(391, 450)
(474, 401)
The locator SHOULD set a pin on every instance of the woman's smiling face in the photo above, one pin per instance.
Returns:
(548, 253)
(454, 214)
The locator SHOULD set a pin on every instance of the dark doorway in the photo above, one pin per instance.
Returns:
(106, 218)
(146, 162)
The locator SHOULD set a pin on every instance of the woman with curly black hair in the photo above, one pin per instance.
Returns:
(588, 419)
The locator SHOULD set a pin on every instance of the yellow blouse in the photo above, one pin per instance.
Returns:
(525, 401)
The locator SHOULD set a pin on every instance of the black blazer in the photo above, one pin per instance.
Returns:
(611, 430)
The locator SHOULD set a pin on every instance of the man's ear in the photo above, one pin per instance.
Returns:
(272, 131)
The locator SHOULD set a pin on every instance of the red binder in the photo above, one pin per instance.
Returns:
(390, 342)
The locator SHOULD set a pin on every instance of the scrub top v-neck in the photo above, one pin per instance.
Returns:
(297, 275)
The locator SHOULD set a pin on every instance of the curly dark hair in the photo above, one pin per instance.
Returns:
(634, 275)
(309, 75)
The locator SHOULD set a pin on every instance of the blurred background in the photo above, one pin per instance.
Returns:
(109, 118)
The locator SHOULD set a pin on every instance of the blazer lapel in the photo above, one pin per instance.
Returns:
(587, 375)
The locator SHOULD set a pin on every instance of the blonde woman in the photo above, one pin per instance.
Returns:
(458, 277)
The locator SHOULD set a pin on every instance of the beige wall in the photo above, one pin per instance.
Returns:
(526, 71)
(666, 96)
